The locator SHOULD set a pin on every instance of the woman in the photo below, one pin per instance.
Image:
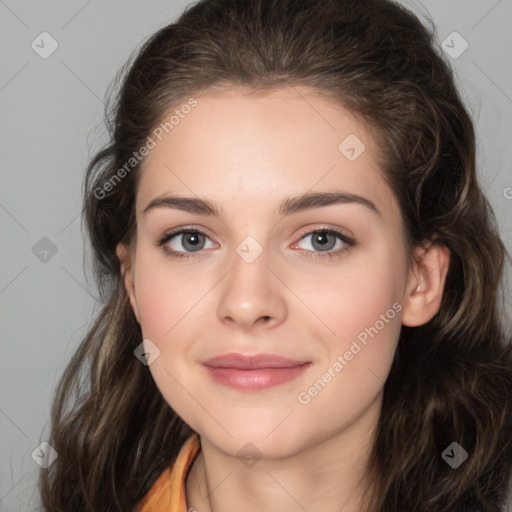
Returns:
(241, 361)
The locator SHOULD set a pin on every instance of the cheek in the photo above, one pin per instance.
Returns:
(363, 313)
(163, 296)
(155, 304)
(355, 296)
(165, 301)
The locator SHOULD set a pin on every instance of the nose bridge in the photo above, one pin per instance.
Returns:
(249, 276)
(250, 290)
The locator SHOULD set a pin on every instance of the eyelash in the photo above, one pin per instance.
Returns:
(166, 237)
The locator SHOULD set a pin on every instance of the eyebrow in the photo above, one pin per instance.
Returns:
(289, 205)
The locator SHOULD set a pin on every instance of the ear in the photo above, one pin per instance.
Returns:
(125, 256)
(425, 284)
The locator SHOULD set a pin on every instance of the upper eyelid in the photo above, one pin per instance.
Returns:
(337, 230)
(306, 232)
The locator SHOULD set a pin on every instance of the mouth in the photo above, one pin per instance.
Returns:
(254, 373)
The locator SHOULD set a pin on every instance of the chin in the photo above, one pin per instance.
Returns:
(255, 441)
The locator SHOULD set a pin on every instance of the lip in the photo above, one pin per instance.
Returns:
(243, 362)
(253, 373)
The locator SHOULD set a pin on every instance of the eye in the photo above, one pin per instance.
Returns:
(324, 240)
(192, 240)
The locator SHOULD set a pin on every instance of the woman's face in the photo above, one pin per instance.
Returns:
(260, 277)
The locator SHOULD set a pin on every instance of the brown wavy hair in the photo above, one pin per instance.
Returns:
(451, 379)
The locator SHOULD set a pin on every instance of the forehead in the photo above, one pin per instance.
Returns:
(262, 146)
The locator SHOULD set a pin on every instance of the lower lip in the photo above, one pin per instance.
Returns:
(255, 380)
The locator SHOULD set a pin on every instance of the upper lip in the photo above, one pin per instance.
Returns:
(243, 362)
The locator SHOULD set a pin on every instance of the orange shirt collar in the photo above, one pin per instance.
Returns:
(167, 494)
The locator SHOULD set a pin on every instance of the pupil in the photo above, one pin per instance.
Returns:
(322, 239)
(192, 239)
(322, 236)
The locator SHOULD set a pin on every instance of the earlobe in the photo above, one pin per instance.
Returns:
(125, 258)
(425, 285)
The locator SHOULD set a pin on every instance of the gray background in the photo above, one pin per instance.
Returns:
(51, 117)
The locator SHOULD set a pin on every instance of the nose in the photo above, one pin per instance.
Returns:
(252, 295)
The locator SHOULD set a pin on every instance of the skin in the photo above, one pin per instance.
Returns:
(246, 153)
